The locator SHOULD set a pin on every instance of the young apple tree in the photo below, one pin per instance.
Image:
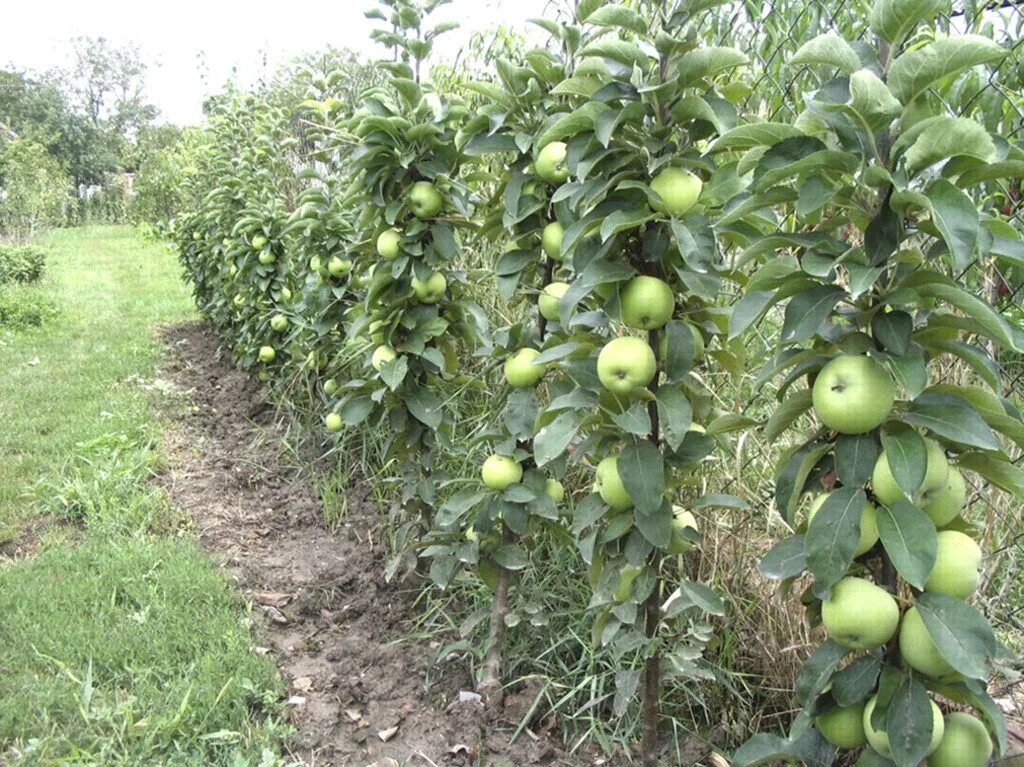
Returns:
(879, 185)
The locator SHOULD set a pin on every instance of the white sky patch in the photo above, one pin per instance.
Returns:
(195, 47)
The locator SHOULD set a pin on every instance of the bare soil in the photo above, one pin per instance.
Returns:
(320, 602)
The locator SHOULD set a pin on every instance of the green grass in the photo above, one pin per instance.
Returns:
(128, 652)
(76, 378)
(120, 644)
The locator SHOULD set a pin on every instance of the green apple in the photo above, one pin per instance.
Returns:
(551, 300)
(678, 190)
(267, 258)
(381, 355)
(965, 743)
(239, 299)
(554, 490)
(333, 422)
(233, 270)
(681, 520)
(521, 372)
(500, 471)
(286, 293)
(608, 484)
(279, 322)
(315, 265)
(627, 574)
(936, 474)
(330, 386)
(957, 565)
(551, 240)
(551, 165)
(859, 614)
(424, 200)
(868, 524)
(376, 331)
(879, 739)
(843, 726)
(853, 394)
(339, 267)
(918, 649)
(431, 290)
(946, 503)
(267, 354)
(626, 364)
(259, 241)
(264, 375)
(646, 303)
(389, 244)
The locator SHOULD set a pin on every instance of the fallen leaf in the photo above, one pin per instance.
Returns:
(272, 599)
(296, 700)
(353, 714)
(303, 684)
(275, 615)
(387, 761)
(388, 734)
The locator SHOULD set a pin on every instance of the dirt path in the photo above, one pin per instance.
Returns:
(321, 603)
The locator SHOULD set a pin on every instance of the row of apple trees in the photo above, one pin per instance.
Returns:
(337, 247)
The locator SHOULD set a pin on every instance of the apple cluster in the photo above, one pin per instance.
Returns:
(853, 395)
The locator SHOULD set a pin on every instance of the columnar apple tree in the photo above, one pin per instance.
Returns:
(410, 206)
(879, 186)
(626, 310)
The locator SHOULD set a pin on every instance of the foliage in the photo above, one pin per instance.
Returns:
(33, 189)
(853, 218)
(21, 263)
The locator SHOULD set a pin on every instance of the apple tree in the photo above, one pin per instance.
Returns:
(878, 188)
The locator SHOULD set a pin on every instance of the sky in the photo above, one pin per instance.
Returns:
(194, 47)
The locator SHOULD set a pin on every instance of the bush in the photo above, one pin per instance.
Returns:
(23, 306)
(21, 263)
(33, 189)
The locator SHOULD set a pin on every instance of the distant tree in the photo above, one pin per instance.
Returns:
(33, 188)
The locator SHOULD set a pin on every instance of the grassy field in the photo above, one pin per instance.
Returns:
(119, 642)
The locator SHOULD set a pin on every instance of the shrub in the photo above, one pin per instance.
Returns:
(23, 306)
(21, 263)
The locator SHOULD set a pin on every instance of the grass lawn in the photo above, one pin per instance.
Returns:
(119, 644)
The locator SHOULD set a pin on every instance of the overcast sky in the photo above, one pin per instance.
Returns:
(250, 38)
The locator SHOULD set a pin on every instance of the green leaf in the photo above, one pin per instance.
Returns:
(907, 456)
(810, 749)
(871, 100)
(707, 62)
(979, 175)
(818, 670)
(856, 681)
(623, 220)
(512, 557)
(680, 343)
(978, 697)
(951, 417)
(789, 484)
(675, 414)
(893, 330)
(552, 440)
(917, 70)
(991, 323)
(961, 633)
(855, 458)
(618, 16)
(833, 536)
(786, 413)
(829, 50)
(909, 723)
(720, 501)
(642, 469)
(950, 137)
(807, 310)
(425, 406)
(909, 538)
(892, 20)
(749, 309)
(998, 471)
(785, 560)
(754, 135)
(957, 220)
(572, 123)
(699, 595)
(616, 50)
(355, 410)
(634, 420)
